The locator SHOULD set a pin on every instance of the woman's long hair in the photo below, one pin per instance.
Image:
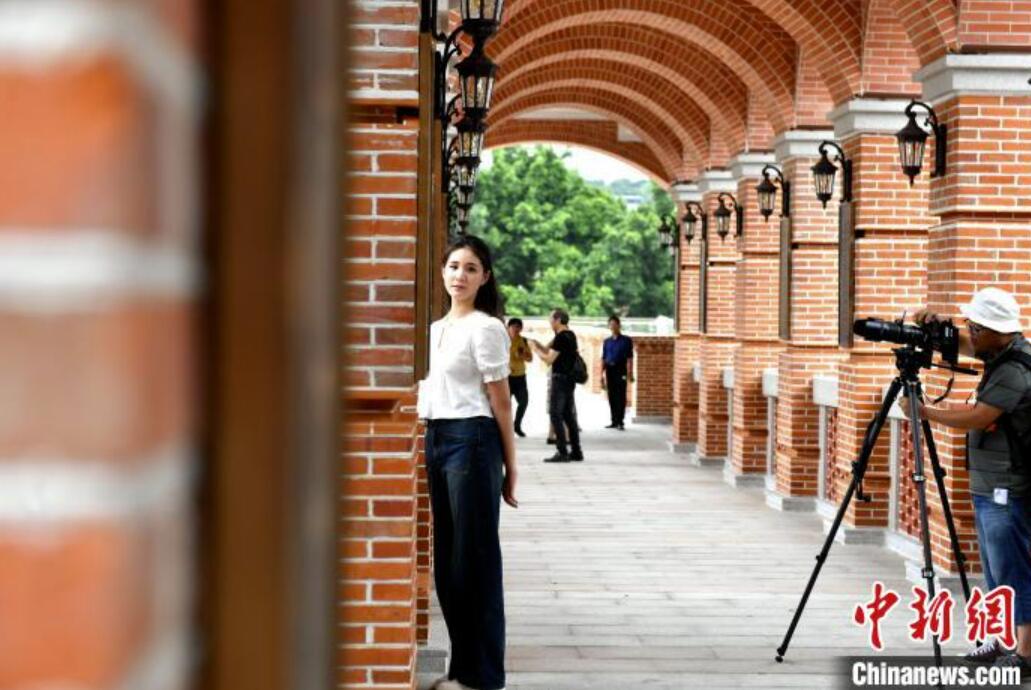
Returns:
(488, 300)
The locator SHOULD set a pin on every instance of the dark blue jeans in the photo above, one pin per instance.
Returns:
(1004, 536)
(464, 461)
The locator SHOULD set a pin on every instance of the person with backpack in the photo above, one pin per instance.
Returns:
(999, 457)
(567, 369)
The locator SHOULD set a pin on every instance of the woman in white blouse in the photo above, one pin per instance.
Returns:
(470, 463)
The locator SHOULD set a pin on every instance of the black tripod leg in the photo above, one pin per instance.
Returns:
(858, 470)
(913, 400)
(939, 476)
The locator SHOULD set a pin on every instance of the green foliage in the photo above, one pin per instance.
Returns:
(560, 241)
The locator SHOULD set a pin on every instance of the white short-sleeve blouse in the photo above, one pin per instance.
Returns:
(465, 355)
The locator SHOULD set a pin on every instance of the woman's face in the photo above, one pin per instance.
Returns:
(463, 275)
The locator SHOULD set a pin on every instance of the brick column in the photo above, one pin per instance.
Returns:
(755, 325)
(983, 205)
(813, 345)
(686, 348)
(717, 344)
(653, 389)
(384, 533)
(99, 275)
(890, 265)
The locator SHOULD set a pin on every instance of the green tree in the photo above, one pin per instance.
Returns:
(561, 241)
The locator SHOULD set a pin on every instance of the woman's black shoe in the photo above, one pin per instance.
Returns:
(551, 441)
(557, 457)
(519, 433)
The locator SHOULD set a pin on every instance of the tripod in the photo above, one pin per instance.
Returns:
(908, 360)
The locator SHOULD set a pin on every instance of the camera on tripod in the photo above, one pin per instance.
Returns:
(932, 336)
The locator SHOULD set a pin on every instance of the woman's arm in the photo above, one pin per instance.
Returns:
(500, 399)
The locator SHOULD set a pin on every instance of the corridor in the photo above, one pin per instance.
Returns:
(635, 569)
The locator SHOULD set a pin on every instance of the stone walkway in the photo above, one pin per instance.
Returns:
(634, 569)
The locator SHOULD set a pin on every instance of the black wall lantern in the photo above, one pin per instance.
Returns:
(824, 171)
(691, 219)
(667, 231)
(470, 142)
(912, 139)
(726, 204)
(768, 193)
(476, 75)
(481, 18)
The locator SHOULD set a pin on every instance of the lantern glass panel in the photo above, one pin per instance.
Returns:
(722, 221)
(465, 195)
(463, 213)
(466, 176)
(470, 141)
(823, 179)
(767, 197)
(912, 140)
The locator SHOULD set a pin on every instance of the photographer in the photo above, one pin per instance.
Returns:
(999, 431)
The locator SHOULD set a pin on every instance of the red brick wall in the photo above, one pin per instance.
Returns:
(653, 388)
(100, 264)
(384, 531)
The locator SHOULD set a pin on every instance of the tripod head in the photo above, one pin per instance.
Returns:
(910, 359)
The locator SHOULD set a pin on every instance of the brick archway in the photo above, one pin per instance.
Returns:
(602, 137)
(761, 53)
(657, 136)
(829, 29)
(658, 99)
(931, 26)
(713, 86)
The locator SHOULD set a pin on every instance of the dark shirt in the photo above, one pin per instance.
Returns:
(565, 345)
(616, 350)
(1007, 387)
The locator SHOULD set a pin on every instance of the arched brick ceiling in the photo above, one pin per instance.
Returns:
(735, 33)
(598, 136)
(659, 138)
(706, 81)
(661, 98)
(829, 29)
(932, 26)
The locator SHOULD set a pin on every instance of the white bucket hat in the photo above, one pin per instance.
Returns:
(995, 309)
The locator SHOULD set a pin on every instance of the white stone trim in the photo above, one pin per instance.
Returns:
(997, 74)
(800, 143)
(728, 377)
(384, 95)
(771, 378)
(749, 164)
(36, 34)
(868, 115)
(40, 491)
(825, 390)
(696, 372)
(59, 272)
(717, 180)
(687, 191)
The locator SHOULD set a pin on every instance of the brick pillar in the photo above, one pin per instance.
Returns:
(890, 266)
(812, 347)
(99, 270)
(983, 207)
(717, 342)
(686, 348)
(384, 529)
(755, 325)
(653, 388)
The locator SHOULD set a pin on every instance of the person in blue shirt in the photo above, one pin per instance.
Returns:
(617, 355)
